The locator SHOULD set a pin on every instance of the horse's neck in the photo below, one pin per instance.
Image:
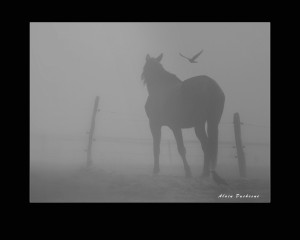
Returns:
(158, 90)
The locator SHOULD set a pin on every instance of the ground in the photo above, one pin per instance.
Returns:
(134, 183)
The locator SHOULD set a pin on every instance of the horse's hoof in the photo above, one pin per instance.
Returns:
(188, 176)
(155, 172)
(204, 176)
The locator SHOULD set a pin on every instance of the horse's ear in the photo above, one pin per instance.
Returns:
(147, 57)
(159, 57)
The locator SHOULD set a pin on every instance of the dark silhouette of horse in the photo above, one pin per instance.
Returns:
(183, 104)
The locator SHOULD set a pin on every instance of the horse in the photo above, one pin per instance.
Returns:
(192, 103)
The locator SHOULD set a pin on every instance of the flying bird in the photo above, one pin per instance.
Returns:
(192, 60)
(218, 179)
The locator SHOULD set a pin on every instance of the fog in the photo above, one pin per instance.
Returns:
(72, 63)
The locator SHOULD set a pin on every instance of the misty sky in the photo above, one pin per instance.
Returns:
(71, 63)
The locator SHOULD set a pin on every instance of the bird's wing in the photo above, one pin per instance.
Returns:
(183, 56)
(197, 55)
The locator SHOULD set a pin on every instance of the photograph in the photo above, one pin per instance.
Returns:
(149, 112)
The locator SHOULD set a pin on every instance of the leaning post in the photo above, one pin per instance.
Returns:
(91, 133)
(239, 146)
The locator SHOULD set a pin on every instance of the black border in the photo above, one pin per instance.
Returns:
(25, 163)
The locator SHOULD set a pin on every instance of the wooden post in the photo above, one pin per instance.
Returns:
(91, 133)
(239, 146)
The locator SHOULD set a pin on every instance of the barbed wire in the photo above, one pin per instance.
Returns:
(256, 125)
(127, 116)
(79, 137)
(102, 138)
(145, 120)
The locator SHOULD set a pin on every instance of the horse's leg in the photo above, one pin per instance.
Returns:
(213, 121)
(181, 149)
(156, 135)
(202, 136)
(213, 132)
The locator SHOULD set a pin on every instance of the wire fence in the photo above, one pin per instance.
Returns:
(138, 118)
(109, 146)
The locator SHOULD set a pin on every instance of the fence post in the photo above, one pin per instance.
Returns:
(239, 146)
(91, 133)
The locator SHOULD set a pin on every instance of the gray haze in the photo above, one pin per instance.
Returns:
(72, 63)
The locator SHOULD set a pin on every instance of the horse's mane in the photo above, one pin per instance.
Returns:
(154, 72)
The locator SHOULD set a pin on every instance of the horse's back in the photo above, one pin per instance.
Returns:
(201, 85)
(202, 95)
(185, 103)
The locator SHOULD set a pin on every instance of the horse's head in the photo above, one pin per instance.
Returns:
(151, 67)
(157, 60)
